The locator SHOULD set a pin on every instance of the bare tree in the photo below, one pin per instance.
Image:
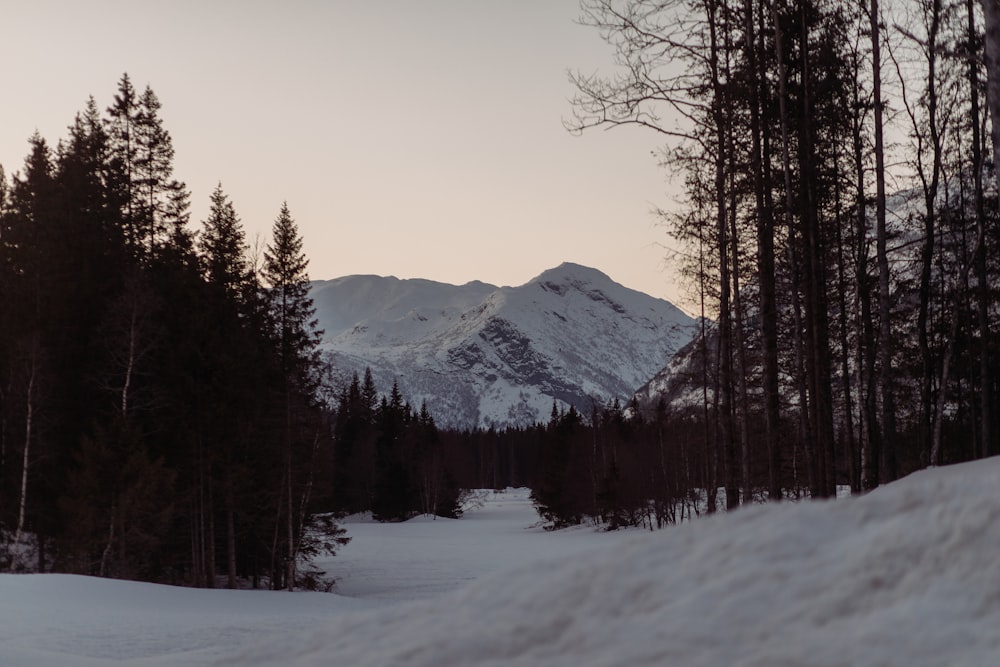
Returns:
(884, 469)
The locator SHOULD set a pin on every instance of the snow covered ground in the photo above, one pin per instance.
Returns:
(908, 575)
(425, 556)
(57, 620)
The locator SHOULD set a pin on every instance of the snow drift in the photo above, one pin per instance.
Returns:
(908, 575)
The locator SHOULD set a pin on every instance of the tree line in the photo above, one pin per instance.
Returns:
(160, 413)
(838, 223)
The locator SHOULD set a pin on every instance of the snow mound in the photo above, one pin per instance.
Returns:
(908, 575)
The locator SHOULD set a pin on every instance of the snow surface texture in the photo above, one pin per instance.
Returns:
(425, 557)
(908, 575)
(63, 620)
(485, 355)
(51, 620)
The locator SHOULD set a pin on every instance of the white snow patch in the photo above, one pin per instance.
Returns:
(50, 619)
(908, 575)
(425, 557)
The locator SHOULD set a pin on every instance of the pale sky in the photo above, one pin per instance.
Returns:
(415, 138)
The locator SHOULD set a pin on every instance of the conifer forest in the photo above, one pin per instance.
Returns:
(166, 413)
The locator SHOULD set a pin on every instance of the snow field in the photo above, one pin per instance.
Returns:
(65, 620)
(908, 575)
(49, 620)
(425, 556)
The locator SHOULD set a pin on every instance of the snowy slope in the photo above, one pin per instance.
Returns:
(486, 355)
(425, 556)
(51, 620)
(680, 383)
(62, 620)
(908, 575)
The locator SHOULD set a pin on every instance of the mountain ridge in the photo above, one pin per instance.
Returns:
(482, 355)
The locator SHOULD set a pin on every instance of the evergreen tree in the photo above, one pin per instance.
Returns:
(154, 166)
(394, 496)
(354, 442)
(223, 247)
(295, 340)
(291, 310)
(562, 479)
(122, 129)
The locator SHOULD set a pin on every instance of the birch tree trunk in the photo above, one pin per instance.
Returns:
(26, 457)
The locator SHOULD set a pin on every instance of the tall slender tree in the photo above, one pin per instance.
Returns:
(295, 337)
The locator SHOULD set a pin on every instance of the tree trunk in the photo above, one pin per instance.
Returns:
(867, 477)
(711, 444)
(26, 455)
(850, 446)
(290, 533)
(760, 160)
(930, 189)
(887, 465)
(818, 367)
(231, 579)
(790, 244)
(106, 554)
(724, 380)
(210, 535)
(740, 475)
(983, 301)
(741, 358)
(289, 494)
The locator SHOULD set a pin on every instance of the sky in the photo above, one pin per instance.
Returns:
(415, 139)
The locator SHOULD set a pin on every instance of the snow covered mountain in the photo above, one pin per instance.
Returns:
(680, 383)
(487, 355)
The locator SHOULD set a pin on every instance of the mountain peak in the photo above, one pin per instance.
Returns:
(571, 272)
(480, 355)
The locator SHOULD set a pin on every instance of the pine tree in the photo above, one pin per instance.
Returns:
(291, 309)
(29, 231)
(122, 122)
(223, 247)
(295, 340)
(394, 496)
(154, 166)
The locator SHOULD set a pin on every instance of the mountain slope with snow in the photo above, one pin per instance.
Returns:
(485, 355)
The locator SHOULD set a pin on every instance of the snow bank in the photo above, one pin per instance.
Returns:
(908, 575)
(51, 619)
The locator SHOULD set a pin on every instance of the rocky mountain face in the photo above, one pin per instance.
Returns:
(681, 382)
(485, 355)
